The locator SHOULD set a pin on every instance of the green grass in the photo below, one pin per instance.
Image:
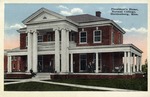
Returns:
(35, 86)
(132, 84)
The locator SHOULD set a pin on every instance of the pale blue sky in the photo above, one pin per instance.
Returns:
(135, 26)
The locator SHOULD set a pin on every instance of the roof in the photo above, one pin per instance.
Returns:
(86, 18)
(77, 20)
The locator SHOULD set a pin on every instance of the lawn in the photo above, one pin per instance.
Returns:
(132, 84)
(36, 86)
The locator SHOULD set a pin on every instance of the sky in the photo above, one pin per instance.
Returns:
(134, 25)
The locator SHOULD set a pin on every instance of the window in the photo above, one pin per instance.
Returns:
(97, 36)
(49, 37)
(112, 37)
(83, 37)
(119, 39)
(40, 38)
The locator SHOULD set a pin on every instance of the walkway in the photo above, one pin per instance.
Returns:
(66, 84)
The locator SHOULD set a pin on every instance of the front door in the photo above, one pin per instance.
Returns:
(40, 63)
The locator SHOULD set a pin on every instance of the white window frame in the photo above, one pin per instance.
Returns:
(41, 39)
(80, 37)
(100, 36)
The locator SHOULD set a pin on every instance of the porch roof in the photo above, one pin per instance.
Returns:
(107, 48)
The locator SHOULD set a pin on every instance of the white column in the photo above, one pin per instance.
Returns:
(29, 52)
(57, 51)
(67, 48)
(9, 65)
(96, 62)
(137, 64)
(35, 48)
(18, 63)
(63, 51)
(133, 62)
(125, 62)
(140, 64)
(129, 62)
(71, 64)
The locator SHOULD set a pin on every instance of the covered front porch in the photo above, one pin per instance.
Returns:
(124, 58)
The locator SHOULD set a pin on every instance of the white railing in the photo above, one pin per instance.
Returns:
(46, 45)
(51, 45)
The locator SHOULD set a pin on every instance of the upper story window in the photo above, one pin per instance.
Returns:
(97, 36)
(83, 37)
(40, 38)
(119, 39)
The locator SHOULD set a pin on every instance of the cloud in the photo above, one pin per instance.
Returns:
(73, 11)
(118, 21)
(66, 13)
(64, 7)
(16, 26)
(141, 30)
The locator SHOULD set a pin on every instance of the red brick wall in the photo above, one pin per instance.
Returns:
(117, 34)
(76, 62)
(23, 63)
(107, 62)
(106, 35)
(5, 63)
(88, 76)
(23, 40)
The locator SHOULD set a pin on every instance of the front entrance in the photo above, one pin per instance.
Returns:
(46, 63)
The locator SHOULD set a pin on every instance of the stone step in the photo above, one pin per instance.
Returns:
(42, 76)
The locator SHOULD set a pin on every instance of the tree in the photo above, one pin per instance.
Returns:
(144, 68)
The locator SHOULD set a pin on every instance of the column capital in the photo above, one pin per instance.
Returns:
(61, 28)
(31, 31)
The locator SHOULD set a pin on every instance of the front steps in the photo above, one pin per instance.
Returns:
(42, 76)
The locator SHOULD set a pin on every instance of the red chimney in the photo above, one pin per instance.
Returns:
(98, 13)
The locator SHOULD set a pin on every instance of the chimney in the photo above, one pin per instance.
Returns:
(98, 13)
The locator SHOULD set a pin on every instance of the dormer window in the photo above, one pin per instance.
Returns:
(83, 37)
(97, 36)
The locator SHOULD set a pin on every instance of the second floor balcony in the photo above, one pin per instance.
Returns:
(51, 45)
